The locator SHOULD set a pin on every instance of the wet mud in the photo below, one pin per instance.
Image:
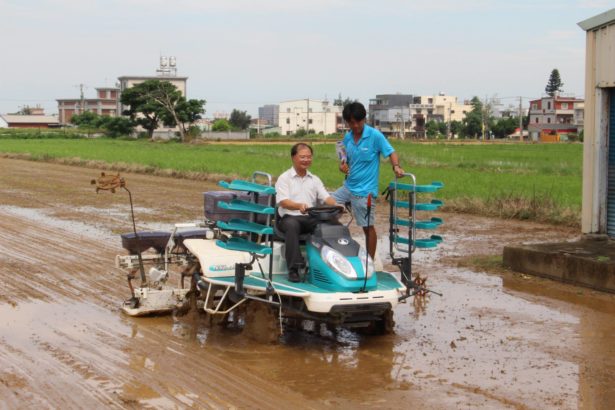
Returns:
(494, 340)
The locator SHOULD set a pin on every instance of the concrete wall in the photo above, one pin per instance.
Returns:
(226, 136)
(599, 78)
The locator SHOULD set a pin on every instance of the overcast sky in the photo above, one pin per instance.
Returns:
(243, 54)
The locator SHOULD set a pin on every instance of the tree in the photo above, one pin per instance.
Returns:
(554, 85)
(456, 127)
(25, 110)
(505, 126)
(431, 128)
(343, 102)
(442, 128)
(169, 98)
(221, 124)
(240, 119)
(87, 119)
(143, 110)
(113, 126)
(153, 101)
(118, 126)
(187, 113)
(473, 121)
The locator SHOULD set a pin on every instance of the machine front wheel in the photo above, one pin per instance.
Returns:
(383, 326)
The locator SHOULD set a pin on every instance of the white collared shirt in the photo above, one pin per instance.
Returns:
(308, 189)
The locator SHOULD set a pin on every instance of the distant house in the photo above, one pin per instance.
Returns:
(556, 116)
(105, 103)
(28, 121)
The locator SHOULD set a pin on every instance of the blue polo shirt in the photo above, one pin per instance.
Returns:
(364, 160)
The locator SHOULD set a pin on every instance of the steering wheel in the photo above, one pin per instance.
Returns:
(324, 212)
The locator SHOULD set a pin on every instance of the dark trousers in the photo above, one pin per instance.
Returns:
(293, 226)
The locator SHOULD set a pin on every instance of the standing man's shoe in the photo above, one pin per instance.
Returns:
(293, 276)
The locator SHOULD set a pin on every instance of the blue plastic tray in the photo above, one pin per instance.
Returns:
(245, 226)
(243, 245)
(431, 206)
(430, 242)
(433, 187)
(239, 185)
(432, 223)
(246, 206)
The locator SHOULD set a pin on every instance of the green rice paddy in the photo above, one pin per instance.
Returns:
(527, 181)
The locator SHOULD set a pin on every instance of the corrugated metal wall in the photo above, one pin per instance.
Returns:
(610, 205)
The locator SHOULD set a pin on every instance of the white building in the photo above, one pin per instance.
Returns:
(441, 107)
(317, 115)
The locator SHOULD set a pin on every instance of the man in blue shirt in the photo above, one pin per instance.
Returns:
(363, 145)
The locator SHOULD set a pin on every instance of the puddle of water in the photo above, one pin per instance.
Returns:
(74, 227)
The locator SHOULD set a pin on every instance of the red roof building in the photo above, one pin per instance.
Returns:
(556, 115)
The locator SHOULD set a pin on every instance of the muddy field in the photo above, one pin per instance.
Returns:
(494, 340)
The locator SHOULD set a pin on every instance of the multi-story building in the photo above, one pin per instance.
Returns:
(555, 115)
(390, 114)
(105, 103)
(269, 113)
(403, 114)
(318, 116)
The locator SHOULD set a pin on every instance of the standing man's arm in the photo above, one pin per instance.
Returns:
(397, 169)
(387, 150)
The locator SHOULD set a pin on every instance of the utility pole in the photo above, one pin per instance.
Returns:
(307, 125)
(484, 115)
(520, 119)
(448, 125)
(82, 100)
(403, 124)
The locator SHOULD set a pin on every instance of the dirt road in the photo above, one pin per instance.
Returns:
(495, 340)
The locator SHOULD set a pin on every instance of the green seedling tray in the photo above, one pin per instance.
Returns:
(246, 206)
(239, 185)
(433, 187)
(432, 223)
(430, 206)
(245, 226)
(243, 245)
(430, 242)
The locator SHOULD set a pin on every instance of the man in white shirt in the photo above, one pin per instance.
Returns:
(298, 189)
